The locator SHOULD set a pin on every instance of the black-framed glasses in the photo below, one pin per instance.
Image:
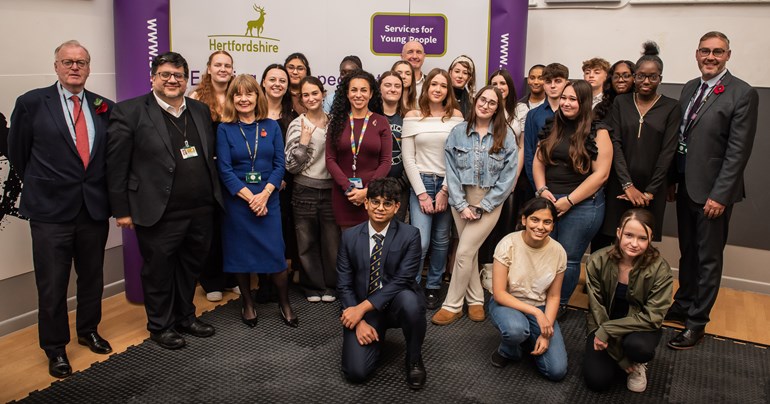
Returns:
(386, 203)
(165, 76)
(81, 63)
(624, 76)
(490, 103)
(718, 52)
(654, 77)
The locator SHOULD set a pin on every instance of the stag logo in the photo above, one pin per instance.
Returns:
(256, 24)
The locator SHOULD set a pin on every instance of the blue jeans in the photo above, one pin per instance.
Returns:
(517, 328)
(574, 232)
(434, 232)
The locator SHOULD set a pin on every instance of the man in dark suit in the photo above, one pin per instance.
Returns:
(162, 179)
(717, 134)
(377, 264)
(57, 143)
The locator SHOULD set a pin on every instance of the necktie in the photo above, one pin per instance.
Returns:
(375, 263)
(694, 108)
(81, 131)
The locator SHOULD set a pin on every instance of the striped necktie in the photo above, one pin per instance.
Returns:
(375, 263)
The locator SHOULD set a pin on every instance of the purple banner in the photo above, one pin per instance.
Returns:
(508, 39)
(390, 31)
(141, 33)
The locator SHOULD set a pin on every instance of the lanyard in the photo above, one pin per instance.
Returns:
(353, 147)
(71, 114)
(252, 157)
(702, 103)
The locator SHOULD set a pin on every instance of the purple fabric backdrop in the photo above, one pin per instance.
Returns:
(141, 33)
(508, 39)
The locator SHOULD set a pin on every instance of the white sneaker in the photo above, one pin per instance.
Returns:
(637, 379)
(235, 290)
(328, 298)
(314, 298)
(214, 296)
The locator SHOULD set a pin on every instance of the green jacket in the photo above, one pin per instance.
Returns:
(650, 291)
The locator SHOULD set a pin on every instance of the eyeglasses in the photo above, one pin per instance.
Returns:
(81, 63)
(718, 52)
(386, 203)
(624, 76)
(654, 77)
(165, 76)
(299, 68)
(490, 103)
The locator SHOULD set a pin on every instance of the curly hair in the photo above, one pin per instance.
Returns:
(449, 103)
(287, 108)
(510, 100)
(341, 105)
(205, 92)
(581, 160)
(647, 220)
(408, 97)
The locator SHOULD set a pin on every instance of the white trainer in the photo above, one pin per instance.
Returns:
(637, 379)
(328, 298)
(235, 290)
(214, 296)
(313, 298)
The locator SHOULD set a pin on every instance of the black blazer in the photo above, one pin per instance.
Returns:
(41, 148)
(719, 141)
(401, 251)
(141, 159)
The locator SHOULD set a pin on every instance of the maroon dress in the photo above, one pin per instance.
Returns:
(374, 159)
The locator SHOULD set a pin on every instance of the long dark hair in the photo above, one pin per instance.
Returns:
(341, 106)
(313, 80)
(449, 103)
(391, 73)
(532, 206)
(510, 100)
(581, 161)
(646, 218)
(302, 58)
(408, 97)
(205, 93)
(287, 108)
(499, 128)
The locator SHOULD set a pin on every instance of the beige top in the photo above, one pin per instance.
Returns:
(422, 143)
(530, 270)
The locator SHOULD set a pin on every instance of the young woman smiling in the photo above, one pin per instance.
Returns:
(462, 73)
(409, 95)
(481, 160)
(425, 132)
(391, 90)
(298, 68)
(630, 289)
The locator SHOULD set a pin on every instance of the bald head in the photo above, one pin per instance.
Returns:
(414, 53)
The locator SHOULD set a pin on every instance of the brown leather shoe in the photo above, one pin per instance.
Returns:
(444, 317)
(476, 312)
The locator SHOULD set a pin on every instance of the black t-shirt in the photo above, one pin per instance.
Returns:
(561, 177)
(620, 302)
(397, 167)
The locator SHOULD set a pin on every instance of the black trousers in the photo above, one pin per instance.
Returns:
(54, 248)
(174, 252)
(600, 369)
(405, 311)
(318, 239)
(701, 245)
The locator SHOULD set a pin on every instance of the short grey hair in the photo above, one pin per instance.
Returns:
(72, 43)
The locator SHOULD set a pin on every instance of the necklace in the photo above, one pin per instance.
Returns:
(641, 115)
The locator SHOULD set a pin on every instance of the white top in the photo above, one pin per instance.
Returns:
(422, 146)
(517, 124)
(530, 270)
(169, 108)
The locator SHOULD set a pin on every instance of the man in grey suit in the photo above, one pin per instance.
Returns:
(717, 134)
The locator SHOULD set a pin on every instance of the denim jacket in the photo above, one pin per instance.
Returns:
(468, 162)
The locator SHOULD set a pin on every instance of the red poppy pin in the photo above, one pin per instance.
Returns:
(719, 89)
(263, 133)
(101, 106)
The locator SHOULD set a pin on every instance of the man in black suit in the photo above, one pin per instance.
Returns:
(162, 179)
(377, 264)
(717, 134)
(57, 143)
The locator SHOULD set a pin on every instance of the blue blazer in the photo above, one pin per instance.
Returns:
(41, 148)
(401, 251)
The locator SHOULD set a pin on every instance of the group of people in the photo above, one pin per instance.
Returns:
(357, 188)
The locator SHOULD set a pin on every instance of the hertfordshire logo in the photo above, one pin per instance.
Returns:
(249, 43)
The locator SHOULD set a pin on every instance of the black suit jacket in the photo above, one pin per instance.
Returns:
(720, 140)
(141, 159)
(401, 251)
(41, 148)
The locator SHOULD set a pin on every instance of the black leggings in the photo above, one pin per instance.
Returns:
(599, 368)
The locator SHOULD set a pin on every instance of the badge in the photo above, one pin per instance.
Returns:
(253, 177)
(188, 152)
(356, 182)
(682, 148)
(263, 133)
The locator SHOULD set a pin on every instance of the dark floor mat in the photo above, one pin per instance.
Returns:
(273, 363)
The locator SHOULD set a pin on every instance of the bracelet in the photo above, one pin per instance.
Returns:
(444, 191)
(570, 201)
(269, 191)
(628, 185)
(541, 190)
(424, 199)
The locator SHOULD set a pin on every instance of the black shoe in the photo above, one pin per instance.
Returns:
(251, 322)
(415, 375)
(291, 322)
(561, 312)
(432, 298)
(675, 317)
(686, 339)
(168, 339)
(59, 366)
(499, 361)
(95, 342)
(197, 329)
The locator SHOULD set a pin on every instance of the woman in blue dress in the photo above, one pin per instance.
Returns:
(251, 165)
